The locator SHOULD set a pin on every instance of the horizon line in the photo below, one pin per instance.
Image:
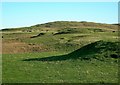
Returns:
(58, 21)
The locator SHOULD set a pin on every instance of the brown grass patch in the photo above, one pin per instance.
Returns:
(13, 46)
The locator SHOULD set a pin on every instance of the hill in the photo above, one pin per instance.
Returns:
(57, 25)
(59, 35)
(100, 50)
(66, 24)
(61, 52)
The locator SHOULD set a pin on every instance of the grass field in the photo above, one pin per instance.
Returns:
(69, 71)
(61, 52)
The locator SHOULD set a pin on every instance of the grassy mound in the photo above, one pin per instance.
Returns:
(98, 50)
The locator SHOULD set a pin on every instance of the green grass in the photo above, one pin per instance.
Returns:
(62, 67)
(70, 71)
(69, 45)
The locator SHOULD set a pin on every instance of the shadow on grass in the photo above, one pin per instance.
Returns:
(52, 58)
(86, 52)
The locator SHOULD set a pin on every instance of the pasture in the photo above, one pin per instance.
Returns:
(61, 52)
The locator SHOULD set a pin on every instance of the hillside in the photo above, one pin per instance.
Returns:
(61, 52)
(65, 24)
(62, 25)
(60, 35)
(100, 50)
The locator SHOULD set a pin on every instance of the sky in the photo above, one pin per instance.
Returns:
(60, 0)
(21, 14)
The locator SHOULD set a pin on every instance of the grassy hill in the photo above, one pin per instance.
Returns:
(100, 50)
(61, 52)
(63, 24)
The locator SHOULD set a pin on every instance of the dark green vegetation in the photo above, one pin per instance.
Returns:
(100, 50)
(61, 52)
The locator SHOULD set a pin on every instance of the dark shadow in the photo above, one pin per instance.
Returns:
(52, 58)
(85, 53)
(40, 34)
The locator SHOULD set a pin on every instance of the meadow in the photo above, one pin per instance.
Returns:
(61, 52)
